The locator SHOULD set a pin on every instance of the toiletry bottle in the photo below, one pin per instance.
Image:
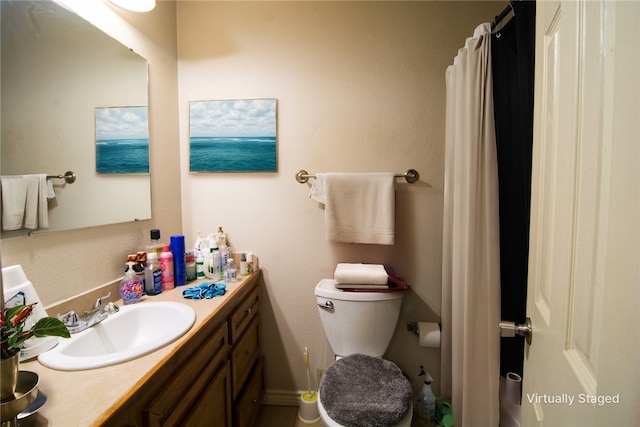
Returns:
(427, 400)
(221, 238)
(250, 266)
(139, 266)
(224, 256)
(230, 272)
(200, 261)
(243, 265)
(190, 265)
(197, 247)
(130, 286)
(179, 260)
(155, 245)
(153, 275)
(166, 265)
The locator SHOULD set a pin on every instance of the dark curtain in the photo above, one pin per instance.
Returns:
(513, 52)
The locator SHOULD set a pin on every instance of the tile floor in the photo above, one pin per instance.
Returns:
(287, 416)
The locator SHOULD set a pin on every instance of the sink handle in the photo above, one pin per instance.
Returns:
(70, 319)
(111, 307)
(98, 302)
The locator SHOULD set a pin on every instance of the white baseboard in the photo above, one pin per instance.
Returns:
(282, 397)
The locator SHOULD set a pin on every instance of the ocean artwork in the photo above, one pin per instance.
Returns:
(233, 136)
(122, 140)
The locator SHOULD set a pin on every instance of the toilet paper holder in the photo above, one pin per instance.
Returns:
(413, 327)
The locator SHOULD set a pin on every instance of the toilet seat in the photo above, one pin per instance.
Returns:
(362, 390)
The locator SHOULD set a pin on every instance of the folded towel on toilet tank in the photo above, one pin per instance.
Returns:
(360, 274)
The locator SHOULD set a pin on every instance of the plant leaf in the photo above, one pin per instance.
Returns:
(49, 326)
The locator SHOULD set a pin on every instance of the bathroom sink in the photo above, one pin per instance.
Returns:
(132, 332)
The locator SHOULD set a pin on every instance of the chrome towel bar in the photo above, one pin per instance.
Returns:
(410, 176)
(69, 177)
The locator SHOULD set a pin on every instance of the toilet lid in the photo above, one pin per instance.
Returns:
(365, 391)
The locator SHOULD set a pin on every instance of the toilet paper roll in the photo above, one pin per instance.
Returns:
(429, 334)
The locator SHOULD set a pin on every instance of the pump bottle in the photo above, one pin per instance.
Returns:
(130, 286)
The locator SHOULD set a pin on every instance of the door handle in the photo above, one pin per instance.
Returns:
(510, 329)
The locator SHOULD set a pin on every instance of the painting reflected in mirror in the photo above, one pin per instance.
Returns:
(58, 70)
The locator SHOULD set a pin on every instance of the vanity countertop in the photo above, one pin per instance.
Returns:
(80, 397)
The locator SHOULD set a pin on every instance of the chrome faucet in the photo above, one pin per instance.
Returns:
(76, 323)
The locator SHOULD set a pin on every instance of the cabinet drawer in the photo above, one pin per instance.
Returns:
(248, 405)
(243, 314)
(185, 387)
(243, 356)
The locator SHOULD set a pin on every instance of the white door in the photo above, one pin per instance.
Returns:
(583, 365)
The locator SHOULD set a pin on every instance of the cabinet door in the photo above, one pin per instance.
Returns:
(244, 355)
(175, 400)
(248, 404)
(213, 408)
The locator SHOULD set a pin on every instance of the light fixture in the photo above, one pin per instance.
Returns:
(134, 5)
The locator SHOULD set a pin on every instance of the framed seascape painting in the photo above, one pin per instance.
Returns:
(233, 135)
(122, 140)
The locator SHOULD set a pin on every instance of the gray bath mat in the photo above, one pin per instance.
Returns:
(365, 391)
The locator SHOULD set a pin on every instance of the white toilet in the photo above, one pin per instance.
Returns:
(359, 326)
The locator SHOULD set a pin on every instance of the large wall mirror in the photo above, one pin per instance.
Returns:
(68, 90)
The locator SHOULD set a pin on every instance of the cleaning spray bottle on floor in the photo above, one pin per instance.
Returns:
(426, 400)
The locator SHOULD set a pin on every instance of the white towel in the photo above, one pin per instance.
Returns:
(360, 274)
(14, 194)
(359, 207)
(36, 213)
(51, 194)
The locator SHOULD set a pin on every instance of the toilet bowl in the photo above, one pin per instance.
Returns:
(365, 391)
(361, 388)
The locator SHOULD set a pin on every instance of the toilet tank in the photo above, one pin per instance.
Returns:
(357, 322)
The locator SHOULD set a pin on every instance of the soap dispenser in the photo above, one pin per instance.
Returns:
(130, 287)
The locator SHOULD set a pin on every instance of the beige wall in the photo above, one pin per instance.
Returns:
(64, 264)
(360, 87)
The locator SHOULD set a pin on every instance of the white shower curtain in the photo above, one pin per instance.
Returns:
(471, 257)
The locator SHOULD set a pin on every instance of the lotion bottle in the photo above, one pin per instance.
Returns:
(166, 265)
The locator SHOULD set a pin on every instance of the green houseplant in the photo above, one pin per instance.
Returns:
(13, 335)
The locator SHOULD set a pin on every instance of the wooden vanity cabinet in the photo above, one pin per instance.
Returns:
(213, 379)
(246, 363)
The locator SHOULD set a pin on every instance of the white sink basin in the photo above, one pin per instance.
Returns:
(132, 332)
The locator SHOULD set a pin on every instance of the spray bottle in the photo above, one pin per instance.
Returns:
(426, 400)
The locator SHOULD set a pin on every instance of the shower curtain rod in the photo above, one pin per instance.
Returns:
(503, 14)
